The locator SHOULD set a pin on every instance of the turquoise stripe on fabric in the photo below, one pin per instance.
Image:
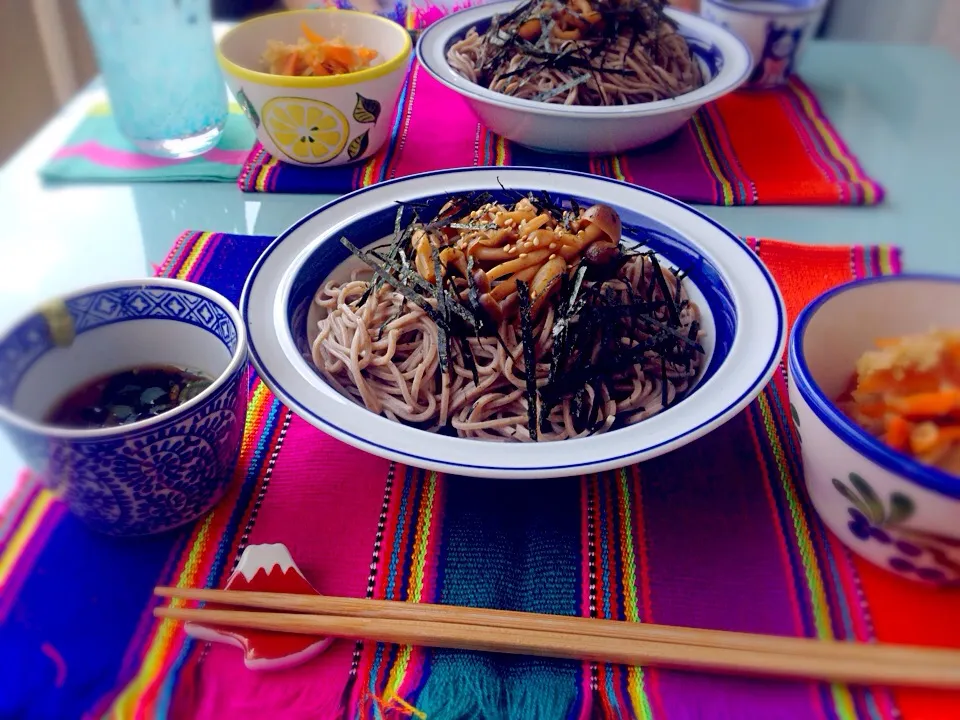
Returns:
(515, 545)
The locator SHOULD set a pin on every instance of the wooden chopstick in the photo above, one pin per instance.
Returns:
(393, 610)
(869, 671)
(575, 638)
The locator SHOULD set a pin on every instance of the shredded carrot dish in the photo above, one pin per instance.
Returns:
(315, 55)
(907, 392)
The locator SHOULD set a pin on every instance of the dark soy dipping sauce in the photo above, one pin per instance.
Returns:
(128, 396)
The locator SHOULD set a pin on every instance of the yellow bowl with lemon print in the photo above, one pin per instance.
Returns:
(318, 121)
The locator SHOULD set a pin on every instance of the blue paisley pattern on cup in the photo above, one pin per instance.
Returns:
(151, 481)
(142, 480)
(28, 342)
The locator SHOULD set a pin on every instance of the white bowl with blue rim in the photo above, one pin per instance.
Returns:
(893, 510)
(724, 60)
(147, 476)
(743, 321)
(776, 31)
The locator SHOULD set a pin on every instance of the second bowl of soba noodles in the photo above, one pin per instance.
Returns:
(596, 76)
(560, 321)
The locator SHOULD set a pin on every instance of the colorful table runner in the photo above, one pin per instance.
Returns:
(98, 152)
(718, 534)
(773, 147)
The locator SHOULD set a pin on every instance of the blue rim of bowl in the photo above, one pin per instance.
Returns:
(578, 111)
(775, 10)
(769, 367)
(237, 360)
(843, 427)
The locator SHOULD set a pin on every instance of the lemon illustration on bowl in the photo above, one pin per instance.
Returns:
(308, 131)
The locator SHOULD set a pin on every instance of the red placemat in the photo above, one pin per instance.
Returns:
(771, 147)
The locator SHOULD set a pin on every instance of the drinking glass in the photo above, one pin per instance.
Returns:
(157, 60)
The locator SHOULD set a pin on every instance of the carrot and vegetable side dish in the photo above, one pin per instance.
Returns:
(907, 392)
(315, 55)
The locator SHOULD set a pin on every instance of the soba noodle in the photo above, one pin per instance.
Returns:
(383, 351)
(580, 52)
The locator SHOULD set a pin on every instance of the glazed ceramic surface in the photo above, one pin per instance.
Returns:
(724, 59)
(265, 568)
(148, 476)
(743, 321)
(776, 31)
(889, 508)
(318, 121)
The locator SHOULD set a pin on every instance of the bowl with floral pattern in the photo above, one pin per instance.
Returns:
(318, 120)
(151, 472)
(885, 505)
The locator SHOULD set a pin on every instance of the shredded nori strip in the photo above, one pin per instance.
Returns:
(664, 394)
(399, 235)
(643, 17)
(443, 340)
(383, 273)
(665, 290)
(566, 310)
(529, 357)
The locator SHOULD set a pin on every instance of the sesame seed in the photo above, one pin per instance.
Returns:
(522, 255)
(536, 242)
(552, 256)
(508, 222)
(552, 246)
(512, 250)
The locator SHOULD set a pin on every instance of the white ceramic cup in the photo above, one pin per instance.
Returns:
(776, 31)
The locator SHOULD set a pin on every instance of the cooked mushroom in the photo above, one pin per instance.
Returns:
(601, 252)
(601, 222)
(586, 11)
(530, 30)
(454, 255)
(480, 281)
(424, 255)
(546, 282)
(491, 307)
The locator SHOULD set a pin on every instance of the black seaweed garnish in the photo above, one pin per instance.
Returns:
(598, 334)
(642, 17)
(400, 235)
(567, 309)
(443, 310)
(664, 391)
(661, 282)
(529, 357)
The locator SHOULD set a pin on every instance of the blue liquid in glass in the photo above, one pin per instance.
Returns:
(158, 63)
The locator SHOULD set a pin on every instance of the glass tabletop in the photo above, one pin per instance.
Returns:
(896, 106)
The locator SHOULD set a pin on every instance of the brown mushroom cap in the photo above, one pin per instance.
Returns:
(601, 252)
(606, 220)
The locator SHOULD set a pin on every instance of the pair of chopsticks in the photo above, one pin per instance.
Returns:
(613, 641)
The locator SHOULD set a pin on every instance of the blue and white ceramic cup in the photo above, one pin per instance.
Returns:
(883, 504)
(776, 31)
(148, 476)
